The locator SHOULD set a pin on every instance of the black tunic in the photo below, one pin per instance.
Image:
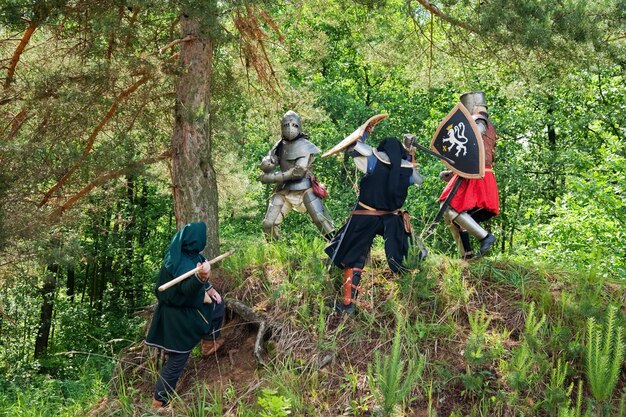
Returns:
(378, 190)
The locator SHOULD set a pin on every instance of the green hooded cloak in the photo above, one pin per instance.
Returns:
(181, 317)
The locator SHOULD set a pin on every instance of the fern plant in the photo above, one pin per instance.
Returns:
(604, 355)
(389, 381)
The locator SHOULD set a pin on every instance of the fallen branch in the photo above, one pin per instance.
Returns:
(250, 316)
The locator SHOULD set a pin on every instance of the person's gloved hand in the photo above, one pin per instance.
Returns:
(446, 176)
(268, 163)
(204, 272)
(298, 171)
(409, 140)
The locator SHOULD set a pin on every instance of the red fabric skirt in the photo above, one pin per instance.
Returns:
(474, 194)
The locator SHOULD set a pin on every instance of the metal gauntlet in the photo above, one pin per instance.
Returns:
(268, 163)
(296, 172)
(272, 177)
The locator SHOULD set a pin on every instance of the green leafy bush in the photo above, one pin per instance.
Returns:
(273, 404)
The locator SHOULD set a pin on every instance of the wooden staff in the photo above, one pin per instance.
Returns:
(193, 271)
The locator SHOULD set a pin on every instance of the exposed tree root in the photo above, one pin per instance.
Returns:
(250, 316)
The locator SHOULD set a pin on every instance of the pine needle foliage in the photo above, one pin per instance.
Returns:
(557, 393)
(532, 326)
(604, 355)
(392, 378)
(576, 411)
(476, 351)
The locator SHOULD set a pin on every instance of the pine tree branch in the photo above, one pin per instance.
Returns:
(175, 42)
(435, 11)
(102, 179)
(18, 53)
(92, 137)
(17, 123)
(7, 317)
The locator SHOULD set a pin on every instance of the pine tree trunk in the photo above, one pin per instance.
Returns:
(126, 282)
(193, 177)
(47, 308)
(71, 283)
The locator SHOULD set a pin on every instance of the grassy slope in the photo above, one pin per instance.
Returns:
(496, 336)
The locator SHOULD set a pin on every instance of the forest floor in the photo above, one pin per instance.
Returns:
(492, 333)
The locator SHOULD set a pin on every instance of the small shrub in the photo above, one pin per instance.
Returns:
(273, 405)
(577, 410)
(556, 392)
(604, 355)
(476, 352)
(388, 379)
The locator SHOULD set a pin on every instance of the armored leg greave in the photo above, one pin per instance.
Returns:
(318, 213)
(274, 216)
(456, 234)
(465, 221)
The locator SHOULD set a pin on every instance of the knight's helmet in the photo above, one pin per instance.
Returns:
(290, 125)
(408, 141)
(473, 101)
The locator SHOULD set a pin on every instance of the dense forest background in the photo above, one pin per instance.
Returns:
(120, 121)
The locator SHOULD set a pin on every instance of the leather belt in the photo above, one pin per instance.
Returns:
(371, 211)
(374, 212)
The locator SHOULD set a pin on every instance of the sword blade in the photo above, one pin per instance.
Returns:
(455, 187)
(435, 154)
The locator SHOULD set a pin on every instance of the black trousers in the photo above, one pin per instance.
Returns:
(359, 235)
(168, 377)
(217, 320)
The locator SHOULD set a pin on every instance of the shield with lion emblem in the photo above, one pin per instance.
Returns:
(458, 138)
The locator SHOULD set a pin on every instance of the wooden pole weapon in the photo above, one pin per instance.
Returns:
(193, 271)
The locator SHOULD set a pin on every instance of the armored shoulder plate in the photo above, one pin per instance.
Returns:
(297, 149)
(359, 149)
(384, 158)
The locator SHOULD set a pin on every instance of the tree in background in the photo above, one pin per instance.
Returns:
(87, 132)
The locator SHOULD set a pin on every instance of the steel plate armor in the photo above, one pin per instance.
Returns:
(293, 155)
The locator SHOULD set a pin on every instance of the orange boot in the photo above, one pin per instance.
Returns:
(351, 279)
(210, 346)
(159, 407)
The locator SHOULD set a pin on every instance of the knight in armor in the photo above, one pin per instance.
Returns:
(388, 171)
(293, 155)
(476, 200)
